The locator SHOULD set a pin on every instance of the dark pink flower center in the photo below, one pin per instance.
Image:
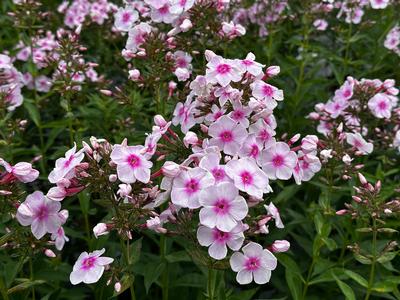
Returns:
(246, 178)
(278, 160)
(163, 10)
(42, 213)
(181, 63)
(126, 17)
(252, 264)
(220, 236)
(347, 93)
(223, 68)
(264, 135)
(226, 136)
(247, 62)
(192, 186)
(88, 263)
(254, 151)
(218, 115)
(221, 206)
(267, 90)
(134, 160)
(305, 165)
(382, 105)
(237, 114)
(218, 173)
(358, 143)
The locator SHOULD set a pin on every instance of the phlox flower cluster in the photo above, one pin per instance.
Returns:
(361, 116)
(78, 12)
(392, 40)
(354, 10)
(11, 82)
(262, 14)
(144, 23)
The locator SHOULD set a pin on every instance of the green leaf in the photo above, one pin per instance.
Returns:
(24, 285)
(295, 283)
(154, 271)
(84, 201)
(190, 280)
(244, 295)
(135, 250)
(289, 264)
(386, 257)
(32, 111)
(345, 288)
(357, 278)
(178, 256)
(362, 259)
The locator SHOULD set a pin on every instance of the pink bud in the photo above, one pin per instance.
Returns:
(106, 92)
(134, 75)
(203, 128)
(186, 25)
(378, 186)
(170, 169)
(357, 199)
(272, 71)
(280, 246)
(190, 139)
(341, 212)
(159, 121)
(100, 229)
(362, 179)
(117, 287)
(49, 253)
(112, 178)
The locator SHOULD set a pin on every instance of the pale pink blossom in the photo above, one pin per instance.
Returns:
(137, 36)
(211, 163)
(358, 142)
(132, 165)
(274, 213)
(266, 93)
(278, 161)
(125, 18)
(22, 171)
(223, 71)
(251, 147)
(187, 186)
(264, 132)
(217, 240)
(251, 66)
(41, 213)
(65, 166)
(89, 267)
(254, 263)
(280, 246)
(100, 229)
(248, 177)
(380, 106)
(59, 238)
(222, 206)
(227, 135)
(379, 4)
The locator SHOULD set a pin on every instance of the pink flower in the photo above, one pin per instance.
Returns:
(65, 166)
(254, 263)
(380, 106)
(217, 240)
(125, 18)
(22, 171)
(132, 165)
(210, 162)
(223, 71)
(222, 207)
(320, 24)
(137, 36)
(379, 4)
(278, 161)
(358, 142)
(187, 186)
(41, 213)
(227, 135)
(100, 229)
(264, 133)
(89, 267)
(266, 93)
(251, 66)
(240, 113)
(60, 238)
(161, 11)
(274, 213)
(251, 147)
(336, 108)
(183, 115)
(248, 177)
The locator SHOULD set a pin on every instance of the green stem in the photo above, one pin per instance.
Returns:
(306, 284)
(374, 257)
(163, 253)
(126, 257)
(31, 278)
(211, 283)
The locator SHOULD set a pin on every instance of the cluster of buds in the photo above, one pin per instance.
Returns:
(362, 116)
(373, 210)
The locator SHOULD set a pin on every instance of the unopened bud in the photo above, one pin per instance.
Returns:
(49, 253)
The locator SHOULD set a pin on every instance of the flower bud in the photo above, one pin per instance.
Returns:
(280, 246)
(112, 178)
(134, 74)
(117, 287)
(272, 71)
(190, 139)
(362, 179)
(341, 212)
(106, 92)
(159, 121)
(100, 229)
(186, 25)
(49, 253)
(170, 169)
